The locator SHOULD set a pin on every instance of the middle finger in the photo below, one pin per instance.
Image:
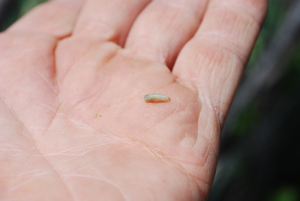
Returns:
(164, 27)
(103, 20)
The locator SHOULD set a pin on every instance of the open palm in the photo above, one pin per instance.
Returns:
(73, 74)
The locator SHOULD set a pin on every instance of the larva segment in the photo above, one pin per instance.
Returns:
(156, 98)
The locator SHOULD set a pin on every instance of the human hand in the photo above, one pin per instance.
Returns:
(74, 124)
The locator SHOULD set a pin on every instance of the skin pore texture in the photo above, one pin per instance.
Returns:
(73, 75)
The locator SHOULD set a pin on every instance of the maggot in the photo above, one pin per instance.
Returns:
(156, 98)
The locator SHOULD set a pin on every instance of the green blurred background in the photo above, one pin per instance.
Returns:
(260, 149)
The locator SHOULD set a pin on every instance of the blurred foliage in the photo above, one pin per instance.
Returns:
(289, 82)
(285, 194)
(246, 121)
(274, 17)
(16, 9)
(291, 78)
(268, 168)
(25, 6)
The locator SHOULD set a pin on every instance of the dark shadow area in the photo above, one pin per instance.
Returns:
(9, 12)
(260, 140)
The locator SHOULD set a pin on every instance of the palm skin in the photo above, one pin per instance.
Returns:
(74, 122)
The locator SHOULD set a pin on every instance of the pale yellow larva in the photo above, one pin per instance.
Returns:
(156, 98)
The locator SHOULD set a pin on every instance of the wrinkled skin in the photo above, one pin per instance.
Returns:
(73, 74)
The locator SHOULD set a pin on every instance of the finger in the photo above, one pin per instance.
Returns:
(55, 17)
(164, 27)
(103, 20)
(214, 60)
(99, 21)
